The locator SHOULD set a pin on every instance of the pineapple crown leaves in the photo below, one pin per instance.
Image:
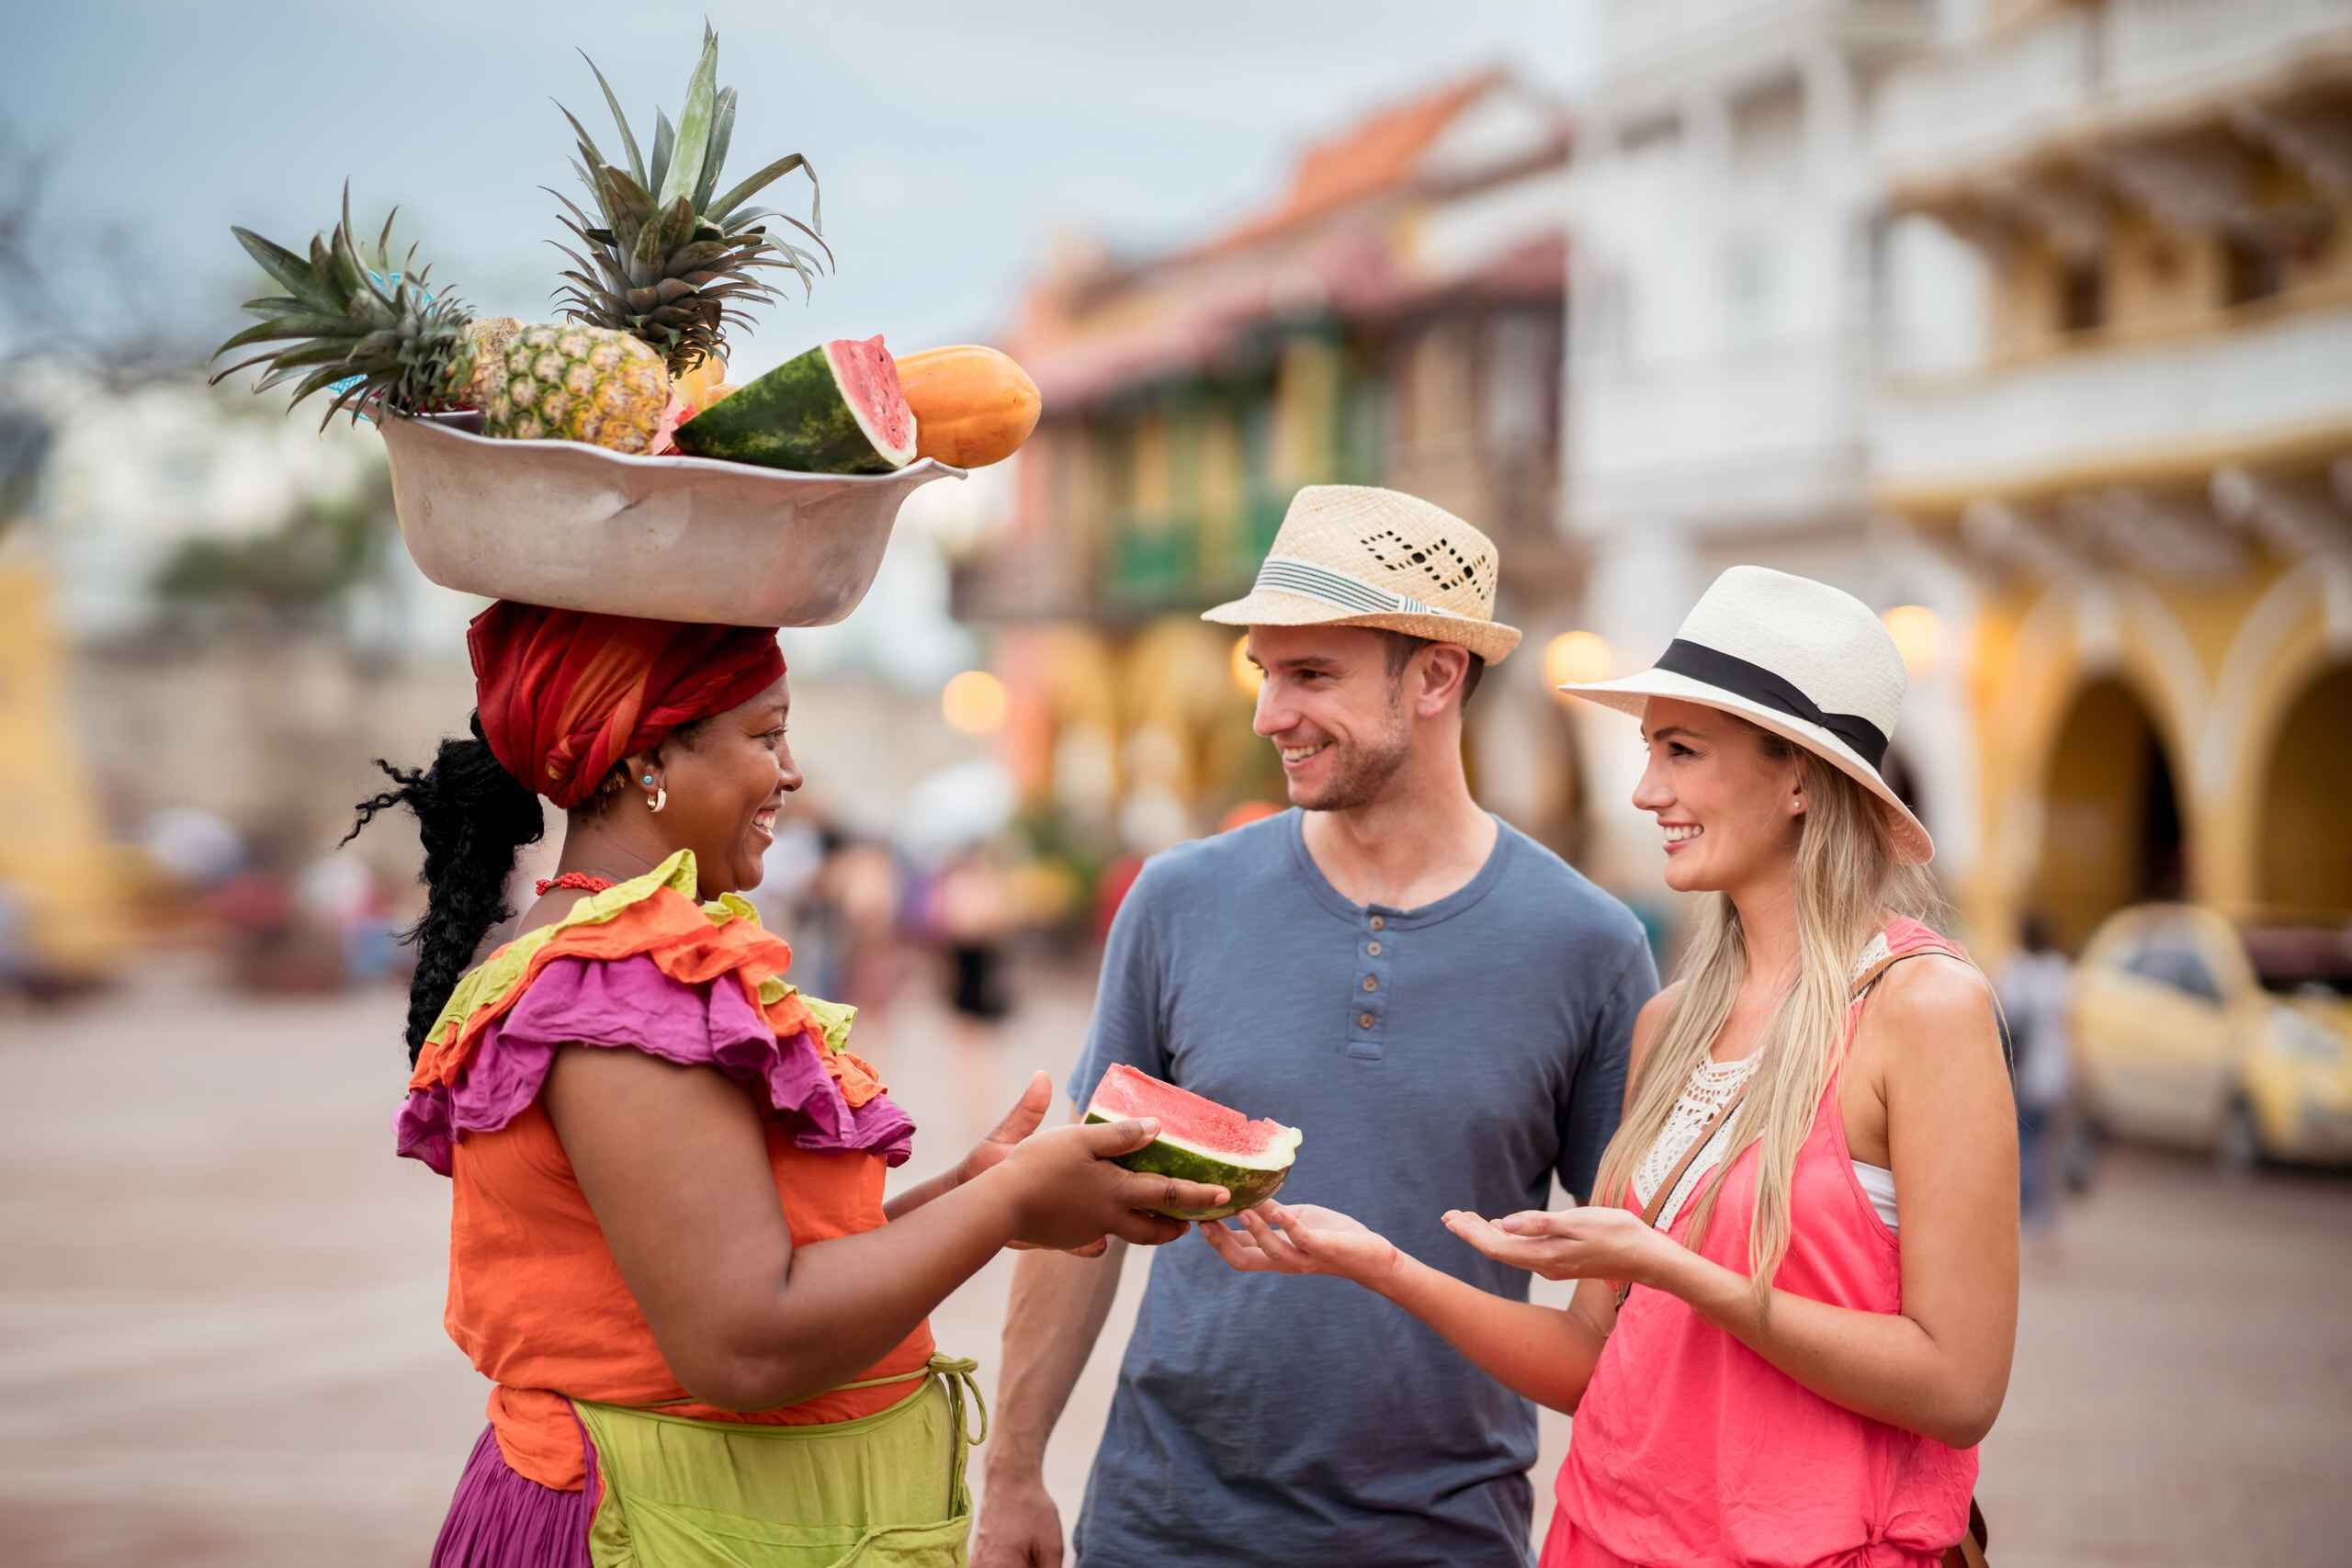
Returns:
(355, 319)
(666, 260)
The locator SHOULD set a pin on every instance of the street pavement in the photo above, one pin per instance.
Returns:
(221, 1339)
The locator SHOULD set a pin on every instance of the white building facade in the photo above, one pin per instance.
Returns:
(1721, 367)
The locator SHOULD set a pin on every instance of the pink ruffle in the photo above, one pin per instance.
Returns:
(630, 1003)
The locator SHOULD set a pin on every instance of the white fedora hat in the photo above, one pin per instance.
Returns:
(1807, 661)
(1359, 556)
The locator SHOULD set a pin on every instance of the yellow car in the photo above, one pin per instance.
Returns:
(2190, 1029)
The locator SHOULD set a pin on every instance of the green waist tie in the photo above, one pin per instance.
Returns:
(882, 1491)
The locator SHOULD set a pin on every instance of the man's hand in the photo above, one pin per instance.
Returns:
(1019, 1526)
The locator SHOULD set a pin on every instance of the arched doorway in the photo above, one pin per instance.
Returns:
(2111, 829)
(2303, 846)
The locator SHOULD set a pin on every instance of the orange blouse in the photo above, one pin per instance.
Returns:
(539, 1305)
(536, 1299)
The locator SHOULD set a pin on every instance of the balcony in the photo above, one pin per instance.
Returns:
(2009, 91)
(2075, 74)
(2156, 48)
(2264, 382)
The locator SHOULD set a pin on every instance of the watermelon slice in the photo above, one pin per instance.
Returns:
(836, 410)
(1199, 1141)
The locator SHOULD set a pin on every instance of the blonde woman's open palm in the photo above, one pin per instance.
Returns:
(1595, 1242)
(1303, 1238)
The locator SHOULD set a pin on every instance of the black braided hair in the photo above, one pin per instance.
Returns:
(473, 816)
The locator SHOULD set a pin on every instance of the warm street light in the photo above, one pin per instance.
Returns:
(973, 703)
(1918, 635)
(1576, 656)
(1246, 675)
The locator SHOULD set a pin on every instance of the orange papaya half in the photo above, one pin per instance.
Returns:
(973, 405)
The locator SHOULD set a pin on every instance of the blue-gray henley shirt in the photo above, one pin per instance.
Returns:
(1455, 1055)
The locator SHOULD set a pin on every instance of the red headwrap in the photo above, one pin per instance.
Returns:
(565, 695)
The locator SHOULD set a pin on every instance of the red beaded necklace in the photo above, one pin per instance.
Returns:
(586, 882)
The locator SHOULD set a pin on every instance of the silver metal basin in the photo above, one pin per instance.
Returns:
(576, 527)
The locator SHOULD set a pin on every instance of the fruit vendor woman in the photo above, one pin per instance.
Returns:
(669, 1250)
(1442, 1007)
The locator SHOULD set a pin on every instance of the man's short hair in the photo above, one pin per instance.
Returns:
(1402, 646)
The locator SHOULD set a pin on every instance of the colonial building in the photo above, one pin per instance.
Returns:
(1396, 317)
(1722, 222)
(2118, 391)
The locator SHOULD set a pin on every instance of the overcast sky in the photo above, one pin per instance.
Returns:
(952, 139)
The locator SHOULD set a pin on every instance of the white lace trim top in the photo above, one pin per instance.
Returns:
(1712, 1083)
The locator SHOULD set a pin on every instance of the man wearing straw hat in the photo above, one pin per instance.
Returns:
(1442, 1005)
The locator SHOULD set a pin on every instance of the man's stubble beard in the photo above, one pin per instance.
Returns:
(1365, 771)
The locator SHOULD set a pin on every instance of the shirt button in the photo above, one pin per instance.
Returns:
(1363, 1020)
(1373, 948)
(1369, 984)
(1379, 923)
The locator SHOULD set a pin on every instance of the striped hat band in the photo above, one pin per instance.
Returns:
(1287, 574)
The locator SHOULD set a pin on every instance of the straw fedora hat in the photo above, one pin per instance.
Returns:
(1807, 661)
(1358, 556)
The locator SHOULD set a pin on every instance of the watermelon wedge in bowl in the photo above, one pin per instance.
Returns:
(1199, 1141)
(837, 408)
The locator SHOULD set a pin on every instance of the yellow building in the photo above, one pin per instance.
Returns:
(65, 881)
(2119, 258)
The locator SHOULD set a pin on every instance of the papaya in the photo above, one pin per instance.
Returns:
(973, 406)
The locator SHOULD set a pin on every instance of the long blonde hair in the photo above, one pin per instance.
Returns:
(1849, 881)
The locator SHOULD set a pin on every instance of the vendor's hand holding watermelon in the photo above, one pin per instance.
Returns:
(1026, 1116)
(1067, 1193)
(1303, 1238)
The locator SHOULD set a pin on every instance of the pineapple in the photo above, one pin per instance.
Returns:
(376, 334)
(667, 263)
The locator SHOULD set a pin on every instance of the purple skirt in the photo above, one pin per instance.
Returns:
(500, 1519)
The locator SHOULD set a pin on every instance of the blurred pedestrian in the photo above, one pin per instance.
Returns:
(1769, 1358)
(972, 914)
(863, 883)
(1433, 997)
(669, 1250)
(791, 897)
(2037, 989)
(16, 944)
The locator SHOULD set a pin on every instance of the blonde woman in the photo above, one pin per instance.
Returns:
(1796, 1295)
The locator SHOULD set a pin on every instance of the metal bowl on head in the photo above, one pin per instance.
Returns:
(576, 527)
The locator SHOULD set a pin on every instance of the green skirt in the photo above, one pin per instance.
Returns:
(884, 1491)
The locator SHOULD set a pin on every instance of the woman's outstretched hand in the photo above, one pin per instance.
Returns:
(1303, 1238)
(1596, 1242)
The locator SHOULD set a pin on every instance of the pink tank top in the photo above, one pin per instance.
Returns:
(1690, 1450)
